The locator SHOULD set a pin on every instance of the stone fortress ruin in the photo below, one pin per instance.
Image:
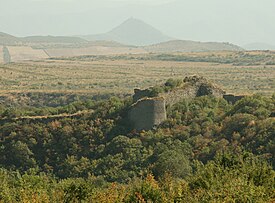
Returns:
(149, 108)
(148, 113)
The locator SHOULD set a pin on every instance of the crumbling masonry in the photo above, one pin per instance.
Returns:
(148, 111)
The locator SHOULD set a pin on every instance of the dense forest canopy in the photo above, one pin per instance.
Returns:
(207, 150)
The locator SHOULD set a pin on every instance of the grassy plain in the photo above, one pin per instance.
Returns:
(121, 74)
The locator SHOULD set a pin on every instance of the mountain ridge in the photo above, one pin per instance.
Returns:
(9, 40)
(133, 36)
(133, 33)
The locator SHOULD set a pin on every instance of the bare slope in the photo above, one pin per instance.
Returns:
(191, 46)
(6, 39)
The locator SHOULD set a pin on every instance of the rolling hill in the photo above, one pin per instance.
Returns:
(6, 39)
(53, 39)
(10, 40)
(191, 46)
(132, 32)
(131, 37)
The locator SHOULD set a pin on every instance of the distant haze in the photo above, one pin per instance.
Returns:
(132, 32)
(237, 21)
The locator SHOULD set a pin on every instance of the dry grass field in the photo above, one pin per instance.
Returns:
(21, 53)
(118, 75)
(94, 50)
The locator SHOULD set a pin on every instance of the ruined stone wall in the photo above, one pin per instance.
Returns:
(176, 96)
(209, 89)
(147, 113)
(230, 98)
(139, 94)
(191, 91)
(193, 86)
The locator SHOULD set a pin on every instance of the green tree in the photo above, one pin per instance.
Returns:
(172, 162)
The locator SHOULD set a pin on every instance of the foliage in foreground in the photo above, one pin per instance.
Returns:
(206, 151)
(228, 178)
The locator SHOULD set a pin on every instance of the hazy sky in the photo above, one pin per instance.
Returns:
(236, 21)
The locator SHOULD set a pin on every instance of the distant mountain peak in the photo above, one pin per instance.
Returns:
(132, 32)
(133, 21)
(133, 25)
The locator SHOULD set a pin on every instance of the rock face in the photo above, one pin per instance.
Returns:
(147, 113)
(204, 87)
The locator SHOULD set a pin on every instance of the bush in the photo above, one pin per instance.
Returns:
(173, 83)
(172, 162)
(146, 190)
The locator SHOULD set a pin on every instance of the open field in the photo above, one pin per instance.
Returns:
(21, 53)
(93, 50)
(122, 75)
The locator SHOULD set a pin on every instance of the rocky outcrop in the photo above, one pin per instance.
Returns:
(192, 87)
(203, 86)
(147, 113)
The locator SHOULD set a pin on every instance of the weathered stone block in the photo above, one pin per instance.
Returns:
(147, 113)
